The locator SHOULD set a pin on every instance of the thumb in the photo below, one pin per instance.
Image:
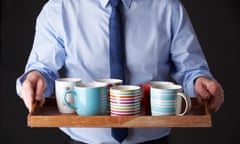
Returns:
(40, 87)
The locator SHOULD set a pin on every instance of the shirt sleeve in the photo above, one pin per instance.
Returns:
(47, 55)
(187, 57)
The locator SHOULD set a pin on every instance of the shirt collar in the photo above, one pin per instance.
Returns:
(126, 3)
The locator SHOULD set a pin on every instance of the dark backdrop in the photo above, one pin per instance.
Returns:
(216, 24)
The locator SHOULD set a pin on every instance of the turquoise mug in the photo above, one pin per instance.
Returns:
(89, 99)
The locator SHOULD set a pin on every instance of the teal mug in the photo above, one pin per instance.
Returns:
(89, 99)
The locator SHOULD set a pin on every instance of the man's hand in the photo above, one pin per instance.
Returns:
(33, 88)
(211, 91)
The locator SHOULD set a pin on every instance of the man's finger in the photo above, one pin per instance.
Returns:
(214, 88)
(216, 102)
(28, 94)
(203, 92)
(40, 87)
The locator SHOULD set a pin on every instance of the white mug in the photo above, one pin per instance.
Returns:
(61, 86)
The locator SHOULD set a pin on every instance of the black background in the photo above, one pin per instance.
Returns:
(216, 24)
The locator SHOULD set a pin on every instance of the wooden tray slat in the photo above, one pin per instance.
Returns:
(48, 116)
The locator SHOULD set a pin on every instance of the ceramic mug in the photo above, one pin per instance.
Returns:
(89, 99)
(125, 100)
(61, 86)
(109, 82)
(146, 94)
(164, 100)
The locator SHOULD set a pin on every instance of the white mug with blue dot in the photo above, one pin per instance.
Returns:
(61, 86)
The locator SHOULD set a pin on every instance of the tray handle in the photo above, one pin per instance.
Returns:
(35, 105)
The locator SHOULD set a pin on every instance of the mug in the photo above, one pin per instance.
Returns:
(109, 82)
(61, 86)
(89, 99)
(146, 94)
(125, 100)
(164, 100)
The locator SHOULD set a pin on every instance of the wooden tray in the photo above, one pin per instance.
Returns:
(48, 116)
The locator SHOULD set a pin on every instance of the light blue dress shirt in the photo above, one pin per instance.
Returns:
(160, 42)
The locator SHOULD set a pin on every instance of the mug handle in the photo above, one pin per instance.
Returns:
(189, 103)
(187, 108)
(73, 93)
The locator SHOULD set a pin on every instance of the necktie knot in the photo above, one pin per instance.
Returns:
(114, 3)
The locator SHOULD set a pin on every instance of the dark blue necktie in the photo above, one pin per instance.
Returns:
(117, 56)
(116, 42)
